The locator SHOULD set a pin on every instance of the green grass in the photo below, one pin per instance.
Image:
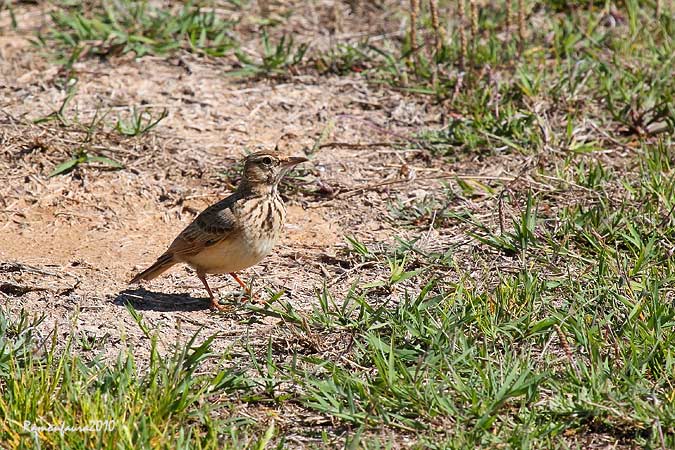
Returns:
(117, 27)
(551, 324)
(479, 362)
(276, 59)
(46, 382)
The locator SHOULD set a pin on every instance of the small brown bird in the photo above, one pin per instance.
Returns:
(238, 231)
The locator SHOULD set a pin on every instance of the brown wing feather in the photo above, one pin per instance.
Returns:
(214, 224)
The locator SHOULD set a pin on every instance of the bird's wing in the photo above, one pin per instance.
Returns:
(215, 223)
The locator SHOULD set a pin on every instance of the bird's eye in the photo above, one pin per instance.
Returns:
(266, 161)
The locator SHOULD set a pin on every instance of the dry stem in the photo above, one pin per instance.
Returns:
(474, 19)
(568, 351)
(414, 10)
(439, 34)
(462, 32)
(521, 21)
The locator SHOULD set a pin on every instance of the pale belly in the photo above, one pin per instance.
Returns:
(232, 255)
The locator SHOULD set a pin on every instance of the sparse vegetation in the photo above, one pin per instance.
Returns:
(139, 122)
(275, 59)
(107, 28)
(524, 297)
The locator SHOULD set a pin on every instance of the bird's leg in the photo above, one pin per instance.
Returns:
(241, 283)
(246, 289)
(214, 301)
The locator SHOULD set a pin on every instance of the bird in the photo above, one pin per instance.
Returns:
(236, 232)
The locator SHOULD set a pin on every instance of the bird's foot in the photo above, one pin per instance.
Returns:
(215, 304)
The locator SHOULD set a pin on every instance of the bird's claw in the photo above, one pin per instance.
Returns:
(215, 304)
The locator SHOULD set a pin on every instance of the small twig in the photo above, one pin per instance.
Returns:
(356, 146)
(71, 289)
(327, 130)
(188, 319)
(666, 219)
(337, 279)
(16, 290)
(19, 267)
(347, 194)
(368, 187)
(657, 423)
(353, 364)
(501, 211)
(610, 138)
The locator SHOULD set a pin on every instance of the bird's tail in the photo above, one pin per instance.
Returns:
(160, 266)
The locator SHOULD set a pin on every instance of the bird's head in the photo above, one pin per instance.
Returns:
(264, 170)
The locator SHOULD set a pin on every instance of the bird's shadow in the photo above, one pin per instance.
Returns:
(144, 300)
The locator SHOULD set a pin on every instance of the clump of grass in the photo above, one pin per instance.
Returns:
(139, 122)
(346, 59)
(505, 348)
(277, 59)
(120, 27)
(82, 156)
(50, 382)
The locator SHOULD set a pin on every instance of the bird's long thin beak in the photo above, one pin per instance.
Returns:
(293, 161)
